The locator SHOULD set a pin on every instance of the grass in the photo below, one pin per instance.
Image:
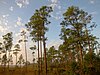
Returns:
(31, 70)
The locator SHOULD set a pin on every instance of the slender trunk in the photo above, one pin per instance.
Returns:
(5, 62)
(16, 60)
(45, 59)
(81, 59)
(44, 46)
(90, 50)
(41, 55)
(0, 60)
(81, 53)
(90, 54)
(8, 60)
(20, 68)
(25, 51)
(26, 56)
(38, 60)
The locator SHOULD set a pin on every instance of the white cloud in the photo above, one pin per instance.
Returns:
(59, 7)
(92, 1)
(15, 25)
(57, 17)
(54, 1)
(19, 18)
(11, 8)
(19, 21)
(22, 3)
(54, 43)
(4, 21)
(0, 22)
(6, 24)
(3, 29)
(5, 16)
(17, 34)
(94, 13)
(54, 4)
(19, 4)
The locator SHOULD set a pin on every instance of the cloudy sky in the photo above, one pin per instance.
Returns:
(14, 14)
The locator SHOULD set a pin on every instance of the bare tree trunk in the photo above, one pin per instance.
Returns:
(8, 61)
(41, 55)
(20, 69)
(4, 62)
(45, 59)
(26, 57)
(90, 50)
(38, 60)
(0, 60)
(16, 60)
(81, 53)
(81, 59)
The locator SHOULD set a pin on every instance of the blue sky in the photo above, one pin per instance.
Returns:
(14, 14)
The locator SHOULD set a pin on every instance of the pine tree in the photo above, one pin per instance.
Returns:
(37, 26)
(75, 33)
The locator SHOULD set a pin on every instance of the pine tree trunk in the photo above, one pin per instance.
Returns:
(41, 54)
(26, 56)
(8, 60)
(81, 53)
(0, 60)
(5, 63)
(81, 59)
(16, 60)
(25, 51)
(90, 50)
(45, 59)
(38, 60)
